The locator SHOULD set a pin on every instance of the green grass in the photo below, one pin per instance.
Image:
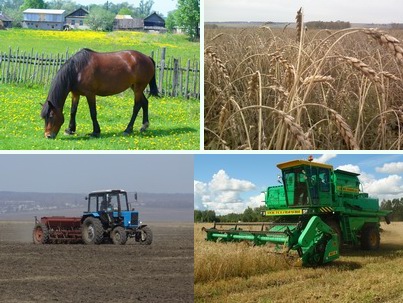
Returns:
(174, 123)
(53, 42)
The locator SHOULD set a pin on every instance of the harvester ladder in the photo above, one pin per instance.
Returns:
(346, 227)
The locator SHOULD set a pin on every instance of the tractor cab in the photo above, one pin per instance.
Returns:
(306, 183)
(112, 208)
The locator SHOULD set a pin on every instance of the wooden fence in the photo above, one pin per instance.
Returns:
(174, 77)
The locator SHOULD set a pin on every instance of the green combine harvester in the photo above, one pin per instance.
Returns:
(314, 211)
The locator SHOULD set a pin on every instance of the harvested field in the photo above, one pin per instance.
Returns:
(161, 272)
(235, 272)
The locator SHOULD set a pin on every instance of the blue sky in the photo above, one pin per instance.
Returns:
(82, 173)
(358, 11)
(230, 183)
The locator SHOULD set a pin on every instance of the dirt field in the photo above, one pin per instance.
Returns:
(161, 272)
(241, 273)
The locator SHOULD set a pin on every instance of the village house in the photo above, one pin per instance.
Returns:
(75, 20)
(127, 22)
(154, 22)
(52, 19)
(6, 20)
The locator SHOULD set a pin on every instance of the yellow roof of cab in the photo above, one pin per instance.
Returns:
(294, 163)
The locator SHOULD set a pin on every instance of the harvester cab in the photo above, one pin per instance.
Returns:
(313, 212)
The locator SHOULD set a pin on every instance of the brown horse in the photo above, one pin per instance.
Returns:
(92, 74)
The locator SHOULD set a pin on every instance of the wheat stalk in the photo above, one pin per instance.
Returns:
(345, 130)
(295, 130)
(298, 18)
(316, 79)
(217, 61)
(362, 67)
(386, 40)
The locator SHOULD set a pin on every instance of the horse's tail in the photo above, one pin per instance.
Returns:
(153, 83)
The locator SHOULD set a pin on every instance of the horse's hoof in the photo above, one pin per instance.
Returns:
(127, 132)
(94, 135)
(144, 127)
(69, 132)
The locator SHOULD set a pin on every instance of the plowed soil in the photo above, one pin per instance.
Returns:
(161, 272)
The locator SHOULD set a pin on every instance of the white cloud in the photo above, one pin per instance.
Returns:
(222, 182)
(223, 194)
(324, 158)
(350, 167)
(391, 168)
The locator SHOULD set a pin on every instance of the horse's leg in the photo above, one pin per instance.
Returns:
(74, 105)
(93, 111)
(144, 106)
(138, 103)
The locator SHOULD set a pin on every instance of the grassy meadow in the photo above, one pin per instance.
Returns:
(174, 121)
(53, 42)
(236, 272)
(285, 89)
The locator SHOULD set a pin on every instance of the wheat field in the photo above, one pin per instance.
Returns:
(236, 272)
(285, 89)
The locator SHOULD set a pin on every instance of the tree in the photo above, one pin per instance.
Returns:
(170, 21)
(100, 19)
(188, 17)
(125, 11)
(33, 4)
(66, 5)
(144, 8)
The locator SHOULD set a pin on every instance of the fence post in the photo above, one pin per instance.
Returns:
(187, 80)
(175, 77)
(162, 67)
(8, 64)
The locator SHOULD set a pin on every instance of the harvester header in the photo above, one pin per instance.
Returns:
(314, 211)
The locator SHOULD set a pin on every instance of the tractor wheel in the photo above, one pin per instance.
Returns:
(370, 238)
(92, 231)
(146, 236)
(40, 234)
(119, 236)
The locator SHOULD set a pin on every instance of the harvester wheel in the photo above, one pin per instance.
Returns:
(370, 238)
(119, 236)
(336, 228)
(145, 236)
(40, 234)
(92, 231)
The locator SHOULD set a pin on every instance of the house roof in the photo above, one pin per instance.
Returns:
(44, 11)
(121, 17)
(154, 16)
(4, 17)
(78, 13)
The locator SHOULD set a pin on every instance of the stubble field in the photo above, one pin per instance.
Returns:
(161, 272)
(241, 273)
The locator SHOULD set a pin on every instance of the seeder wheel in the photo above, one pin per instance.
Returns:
(40, 234)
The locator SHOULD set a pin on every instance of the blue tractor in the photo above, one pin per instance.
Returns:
(109, 219)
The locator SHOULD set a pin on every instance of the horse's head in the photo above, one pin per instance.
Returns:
(53, 119)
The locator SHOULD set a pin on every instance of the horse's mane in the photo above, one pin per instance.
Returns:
(66, 79)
